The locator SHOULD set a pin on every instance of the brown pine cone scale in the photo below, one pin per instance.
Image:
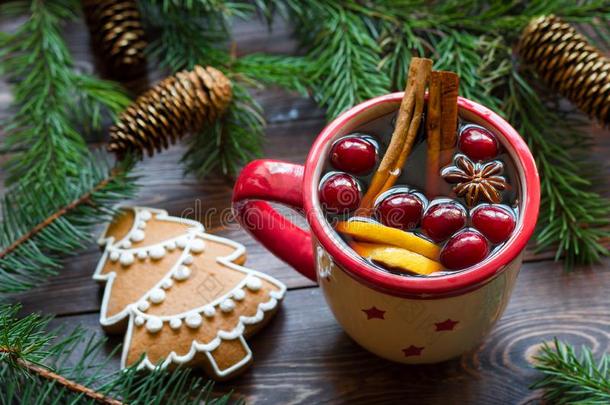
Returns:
(177, 105)
(569, 64)
(118, 35)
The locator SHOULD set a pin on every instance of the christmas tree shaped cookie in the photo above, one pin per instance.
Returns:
(183, 295)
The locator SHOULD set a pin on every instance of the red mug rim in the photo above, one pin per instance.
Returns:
(451, 284)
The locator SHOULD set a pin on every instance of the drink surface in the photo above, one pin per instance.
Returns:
(469, 213)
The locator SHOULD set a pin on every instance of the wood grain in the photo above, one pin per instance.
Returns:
(303, 356)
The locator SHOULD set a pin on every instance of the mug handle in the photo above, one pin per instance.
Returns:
(281, 182)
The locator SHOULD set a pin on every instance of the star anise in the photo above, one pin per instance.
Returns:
(476, 181)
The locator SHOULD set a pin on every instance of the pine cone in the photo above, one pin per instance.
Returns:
(176, 105)
(118, 35)
(568, 64)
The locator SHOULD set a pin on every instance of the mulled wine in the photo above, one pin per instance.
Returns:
(441, 211)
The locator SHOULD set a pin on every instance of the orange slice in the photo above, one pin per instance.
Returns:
(378, 233)
(397, 258)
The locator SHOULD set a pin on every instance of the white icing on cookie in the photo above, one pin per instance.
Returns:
(114, 256)
(239, 295)
(193, 321)
(126, 244)
(182, 241)
(156, 296)
(167, 284)
(127, 259)
(227, 305)
(197, 246)
(188, 259)
(137, 235)
(171, 245)
(157, 252)
(145, 215)
(139, 320)
(254, 283)
(143, 305)
(209, 311)
(226, 301)
(154, 324)
(182, 273)
(108, 240)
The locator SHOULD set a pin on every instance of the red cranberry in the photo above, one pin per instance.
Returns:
(340, 193)
(400, 210)
(478, 143)
(443, 219)
(353, 155)
(494, 222)
(463, 250)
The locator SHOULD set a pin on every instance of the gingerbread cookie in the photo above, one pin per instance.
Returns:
(182, 295)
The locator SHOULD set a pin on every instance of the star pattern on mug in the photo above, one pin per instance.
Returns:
(412, 351)
(446, 325)
(374, 313)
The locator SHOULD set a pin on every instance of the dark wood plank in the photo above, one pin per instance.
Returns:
(304, 357)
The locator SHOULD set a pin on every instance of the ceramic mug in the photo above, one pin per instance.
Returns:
(404, 319)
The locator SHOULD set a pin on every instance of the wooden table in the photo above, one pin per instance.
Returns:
(303, 356)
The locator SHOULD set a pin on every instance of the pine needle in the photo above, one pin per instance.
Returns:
(50, 97)
(572, 379)
(196, 33)
(37, 367)
(39, 227)
(344, 51)
(228, 143)
(573, 218)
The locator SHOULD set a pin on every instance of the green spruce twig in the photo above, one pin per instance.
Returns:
(196, 33)
(572, 379)
(36, 367)
(40, 227)
(344, 51)
(50, 96)
(574, 219)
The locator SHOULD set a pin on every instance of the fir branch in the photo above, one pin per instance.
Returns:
(481, 63)
(344, 50)
(46, 374)
(37, 367)
(398, 43)
(184, 38)
(258, 70)
(225, 9)
(96, 97)
(494, 17)
(233, 139)
(573, 218)
(572, 379)
(190, 36)
(47, 94)
(40, 227)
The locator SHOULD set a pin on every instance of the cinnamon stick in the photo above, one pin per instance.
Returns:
(405, 131)
(449, 114)
(420, 101)
(433, 130)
